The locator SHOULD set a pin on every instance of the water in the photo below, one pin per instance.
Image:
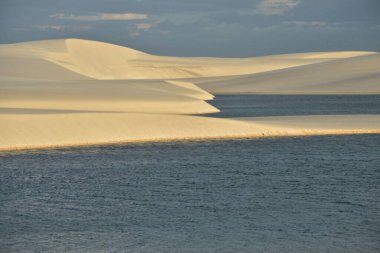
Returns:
(309, 194)
(319, 194)
(276, 105)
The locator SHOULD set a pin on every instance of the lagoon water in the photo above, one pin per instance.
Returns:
(309, 194)
(279, 105)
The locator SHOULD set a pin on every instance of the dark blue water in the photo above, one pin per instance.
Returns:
(315, 194)
(277, 105)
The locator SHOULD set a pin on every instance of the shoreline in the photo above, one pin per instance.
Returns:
(195, 139)
(31, 131)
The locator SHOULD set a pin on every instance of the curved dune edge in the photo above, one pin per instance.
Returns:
(136, 96)
(31, 131)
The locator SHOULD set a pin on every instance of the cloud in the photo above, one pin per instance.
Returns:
(62, 28)
(136, 30)
(57, 28)
(101, 16)
(306, 23)
(144, 26)
(276, 7)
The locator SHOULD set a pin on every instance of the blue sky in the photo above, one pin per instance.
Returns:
(233, 28)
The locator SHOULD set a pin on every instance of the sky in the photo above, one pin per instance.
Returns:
(224, 28)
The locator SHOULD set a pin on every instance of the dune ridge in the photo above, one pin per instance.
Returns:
(98, 60)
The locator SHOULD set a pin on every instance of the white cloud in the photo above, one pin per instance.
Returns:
(276, 7)
(136, 30)
(57, 28)
(134, 34)
(313, 24)
(101, 16)
(144, 26)
(61, 28)
(306, 23)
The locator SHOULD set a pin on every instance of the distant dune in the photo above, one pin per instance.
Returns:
(79, 92)
(357, 75)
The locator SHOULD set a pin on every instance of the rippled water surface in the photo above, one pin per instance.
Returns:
(315, 194)
(276, 105)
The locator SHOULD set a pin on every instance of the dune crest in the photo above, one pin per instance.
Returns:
(98, 60)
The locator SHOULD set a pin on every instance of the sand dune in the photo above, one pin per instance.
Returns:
(28, 61)
(20, 131)
(357, 75)
(78, 92)
(107, 96)
(75, 59)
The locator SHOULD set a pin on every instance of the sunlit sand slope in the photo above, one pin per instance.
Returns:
(107, 96)
(29, 60)
(358, 75)
(81, 59)
(53, 130)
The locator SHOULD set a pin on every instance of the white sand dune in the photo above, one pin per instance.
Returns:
(28, 60)
(75, 59)
(357, 75)
(21, 131)
(107, 96)
(78, 92)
